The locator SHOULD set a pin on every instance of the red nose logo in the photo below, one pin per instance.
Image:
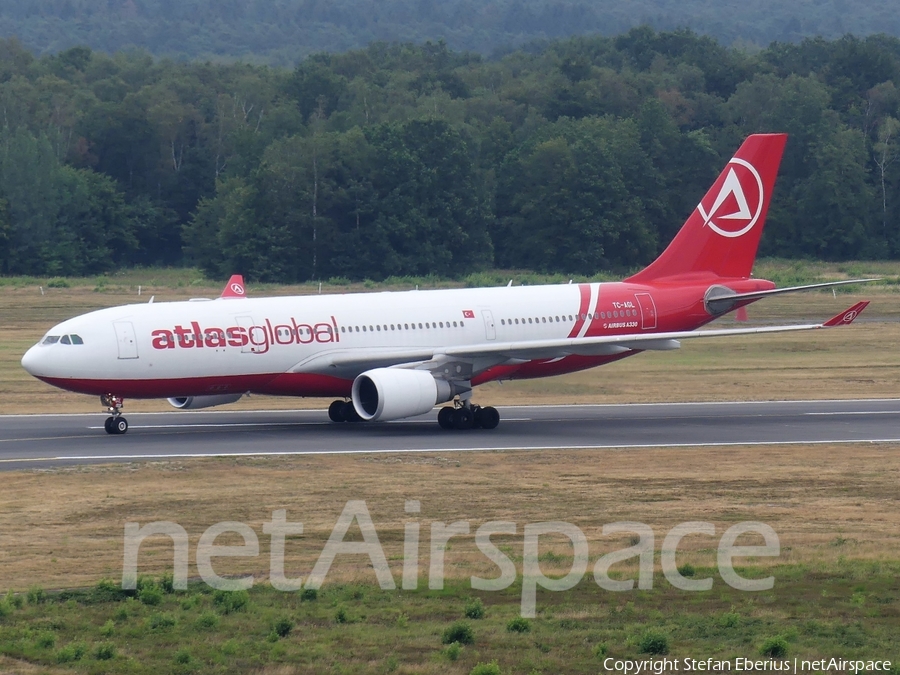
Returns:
(736, 207)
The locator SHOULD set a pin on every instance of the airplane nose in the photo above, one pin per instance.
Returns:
(31, 360)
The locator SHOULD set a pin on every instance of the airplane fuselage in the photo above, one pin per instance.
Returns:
(288, 345)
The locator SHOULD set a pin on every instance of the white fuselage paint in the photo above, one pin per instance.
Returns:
(321, 324)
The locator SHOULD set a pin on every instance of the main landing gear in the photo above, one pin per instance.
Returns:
(116, 424)
(464, 416)
(343, 411)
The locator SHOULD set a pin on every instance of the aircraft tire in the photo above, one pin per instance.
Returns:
(488, 417)
(108, 425)
(349, 413)
(336, 411)
(465, 420)
(119, 425)
(447, 418)
(476, 416)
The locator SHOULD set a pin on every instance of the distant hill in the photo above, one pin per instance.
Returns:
(280, 32)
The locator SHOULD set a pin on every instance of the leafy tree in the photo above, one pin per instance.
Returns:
(431, 212)
(567, 204)
(834, 203)
(571, 155)
(59, 220)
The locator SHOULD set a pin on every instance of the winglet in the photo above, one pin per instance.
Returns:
(234, 288)
(847, 316)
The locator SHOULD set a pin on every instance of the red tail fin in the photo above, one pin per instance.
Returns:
(722, 234)
(234, 288)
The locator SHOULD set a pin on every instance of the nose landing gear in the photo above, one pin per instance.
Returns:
(116, 424)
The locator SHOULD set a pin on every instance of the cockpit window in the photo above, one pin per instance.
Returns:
(63, 340)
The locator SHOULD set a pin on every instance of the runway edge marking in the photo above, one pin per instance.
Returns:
(293, 453)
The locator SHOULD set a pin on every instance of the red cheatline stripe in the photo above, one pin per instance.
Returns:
(585, 290)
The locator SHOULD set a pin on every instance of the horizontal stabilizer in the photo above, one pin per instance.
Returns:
(725, 302)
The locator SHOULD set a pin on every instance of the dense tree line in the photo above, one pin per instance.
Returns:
(281, 32)
(402, 159)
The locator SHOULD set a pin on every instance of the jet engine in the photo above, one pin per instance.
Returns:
(197, 402)
(384, 394)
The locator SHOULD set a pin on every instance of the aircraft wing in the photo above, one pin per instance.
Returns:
(607, 344)
(471, 359)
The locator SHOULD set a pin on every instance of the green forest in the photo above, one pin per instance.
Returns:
(586, 154)
(281, 32)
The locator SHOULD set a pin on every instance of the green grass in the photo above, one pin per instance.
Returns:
(851, 610)
(782, 272)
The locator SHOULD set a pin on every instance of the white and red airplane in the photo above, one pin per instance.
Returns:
(395, 355)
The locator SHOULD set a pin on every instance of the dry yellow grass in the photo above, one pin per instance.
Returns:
(64, 527)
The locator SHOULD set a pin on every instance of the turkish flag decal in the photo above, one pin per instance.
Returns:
(468, 314)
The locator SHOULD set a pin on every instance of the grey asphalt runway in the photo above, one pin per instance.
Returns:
(30, 441)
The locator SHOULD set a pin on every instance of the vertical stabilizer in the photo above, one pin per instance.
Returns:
(234, 288)
(722, 234)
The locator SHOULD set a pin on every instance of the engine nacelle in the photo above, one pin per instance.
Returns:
(392, 393)
(197, 402)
